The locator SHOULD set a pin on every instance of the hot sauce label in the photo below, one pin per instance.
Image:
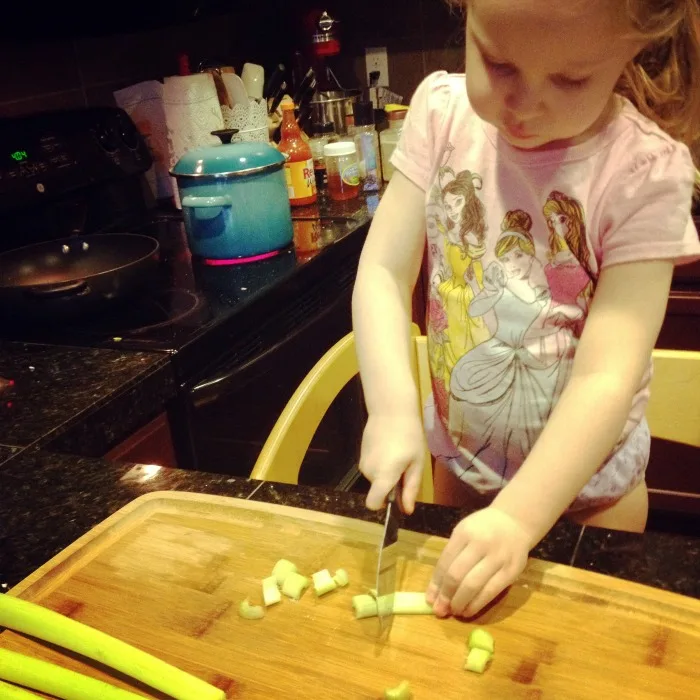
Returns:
(301, 179)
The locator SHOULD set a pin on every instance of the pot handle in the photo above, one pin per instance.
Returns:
(206, 202)
(58, 290)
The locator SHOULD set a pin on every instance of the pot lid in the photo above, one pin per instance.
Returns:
(244, 158)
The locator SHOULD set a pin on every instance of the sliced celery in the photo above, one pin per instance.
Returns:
(12, 692)
(294, 585)
(250, 612)
(282, 569)
(405, 603)
(477, 659)
(364, 606)
(401, 692)
(481, 639)
(271, 592)
(56, 681)
(323, 582)
(57, 629)
(341, 578)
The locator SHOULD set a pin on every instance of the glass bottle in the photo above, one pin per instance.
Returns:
(389, 138)
(367, 145)
(323, 134)
(299, 168)
(343, 170)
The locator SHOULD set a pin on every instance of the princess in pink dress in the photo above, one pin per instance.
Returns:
(568, 272)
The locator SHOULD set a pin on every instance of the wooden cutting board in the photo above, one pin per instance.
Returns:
(167, 572)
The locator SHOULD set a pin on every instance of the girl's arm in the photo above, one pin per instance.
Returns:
(620, 333)
(381, 304)
(388, 270)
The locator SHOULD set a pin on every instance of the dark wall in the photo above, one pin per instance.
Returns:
(78, 63)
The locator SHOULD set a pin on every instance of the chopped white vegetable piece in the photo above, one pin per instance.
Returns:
(481, 639)
(364, 606)
(477, 659)
(323, 582)
(250, 612)
(294, 585)
(271, 593)
(282, 569)
(405, 603)
(341, 578)
(401, 692)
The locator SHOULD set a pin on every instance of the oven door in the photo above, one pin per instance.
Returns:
(227, 417)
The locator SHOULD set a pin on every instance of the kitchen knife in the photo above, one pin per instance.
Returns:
(277, 98)
(274, 81)
(386, 564)
(304, 86)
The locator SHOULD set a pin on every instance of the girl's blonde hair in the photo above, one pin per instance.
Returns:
(660, 79)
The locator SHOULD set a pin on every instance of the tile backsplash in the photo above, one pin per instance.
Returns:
(420, 37)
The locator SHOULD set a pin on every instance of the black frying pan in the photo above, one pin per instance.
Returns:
(74, 277)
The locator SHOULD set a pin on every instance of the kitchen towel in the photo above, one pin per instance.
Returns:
(143, 102)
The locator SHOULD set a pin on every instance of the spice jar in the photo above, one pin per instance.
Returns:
(343, 170)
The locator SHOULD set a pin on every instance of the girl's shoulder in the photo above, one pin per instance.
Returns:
(640, 145)
(441, 98)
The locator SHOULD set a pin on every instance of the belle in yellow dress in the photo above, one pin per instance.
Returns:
(461, 279)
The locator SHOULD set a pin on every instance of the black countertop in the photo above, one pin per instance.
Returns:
(62, 397)
(50, 500)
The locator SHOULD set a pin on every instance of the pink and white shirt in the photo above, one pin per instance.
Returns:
(516, 242)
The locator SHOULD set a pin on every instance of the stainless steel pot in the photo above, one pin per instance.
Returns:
(333, 106)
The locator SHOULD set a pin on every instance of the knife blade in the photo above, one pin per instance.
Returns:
(386, 564)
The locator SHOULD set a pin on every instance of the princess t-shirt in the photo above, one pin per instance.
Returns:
(516, 242)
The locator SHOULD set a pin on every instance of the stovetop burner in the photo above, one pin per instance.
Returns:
(159, 310)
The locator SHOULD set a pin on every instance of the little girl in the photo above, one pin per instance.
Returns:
(550, 260)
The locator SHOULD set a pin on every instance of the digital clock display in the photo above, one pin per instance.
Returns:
(19, 156)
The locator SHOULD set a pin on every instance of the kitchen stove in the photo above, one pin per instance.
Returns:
(240, 337)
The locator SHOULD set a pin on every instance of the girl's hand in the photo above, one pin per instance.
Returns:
(393, 447)
(487, 552)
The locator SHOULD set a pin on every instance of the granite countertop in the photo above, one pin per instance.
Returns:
(50, 500)
(76, 399)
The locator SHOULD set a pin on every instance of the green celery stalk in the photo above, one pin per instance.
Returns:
(55, 680)
(12, 692)
(37, 621)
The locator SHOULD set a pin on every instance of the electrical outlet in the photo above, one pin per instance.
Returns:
(376, 59)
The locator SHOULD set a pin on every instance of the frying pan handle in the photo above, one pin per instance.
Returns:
(59, 290)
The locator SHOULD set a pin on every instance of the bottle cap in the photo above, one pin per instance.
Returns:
(286, 105)
(364, 113)
(339, 148)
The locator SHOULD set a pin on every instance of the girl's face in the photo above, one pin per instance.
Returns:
(560, 224)
(516, 263)
(543, 71)
(454, 203)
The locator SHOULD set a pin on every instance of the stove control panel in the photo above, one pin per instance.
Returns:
(48, 155)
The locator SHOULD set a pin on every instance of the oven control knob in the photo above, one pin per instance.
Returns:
(106, 137)
(128, 132)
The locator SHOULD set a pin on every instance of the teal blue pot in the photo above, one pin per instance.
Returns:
(234, 200)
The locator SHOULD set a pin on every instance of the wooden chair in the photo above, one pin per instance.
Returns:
(673, 412)
(283, 452)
